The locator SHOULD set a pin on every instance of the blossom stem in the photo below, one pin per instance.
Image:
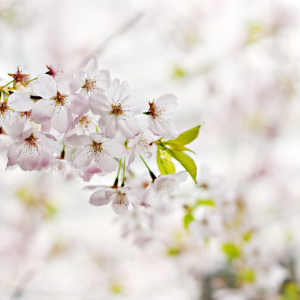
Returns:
(117, 178)
(8, 84)
(150, 172)
(124, 167)
(30, 80)
(62, 155)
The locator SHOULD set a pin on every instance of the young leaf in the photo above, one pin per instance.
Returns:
(186, 137)
(176, 146)
(164, 162)
(187, 219)
(185, 161)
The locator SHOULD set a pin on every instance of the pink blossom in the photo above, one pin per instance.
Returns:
(31, 151)
(117, 110)
(96, 147)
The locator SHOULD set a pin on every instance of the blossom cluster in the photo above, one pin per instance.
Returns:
(86, 111)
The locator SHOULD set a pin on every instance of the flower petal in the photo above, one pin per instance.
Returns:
(43, 111)
(115, 149)
(45, 86)
(91, 67)
(107, 163)
(129, 127)
(120, 204)
(20, 101)
(62, 119)
(100, 105)
(81, 158)
(167, 103)
(136, 104)
(99, 198)
(108, 125)
(79, 140)
(13, 124)
(118, 92)
(79, 105)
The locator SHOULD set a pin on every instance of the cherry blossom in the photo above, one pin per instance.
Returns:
(87, 173)
(207, 223)
(10, 117)
(19, 76)
(96, 147)
(92, 80)
(158, 116)
(120, 198)
(31, 151)
(57, 103)
(117, 110)
(142, 143)
(164, 184)
(62, 168)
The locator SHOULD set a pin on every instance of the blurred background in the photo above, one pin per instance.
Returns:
(234, 66)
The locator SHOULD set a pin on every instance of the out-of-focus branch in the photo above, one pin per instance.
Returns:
(123, 29)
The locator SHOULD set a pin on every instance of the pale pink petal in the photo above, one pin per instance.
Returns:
(13, 153)
(167, 103)
(13, 124)
(118, 92)
(45, 86)
(91, 67)
(100, 105)
(5, 142)
(129, 127)
(43, 111)
(93, 187)
(99, 137)
(107, 163)
(115, 149)
(79, 105)
(79, 140)
(120, 204)
(63, 85)
(62, 119)
(46, 136)
(77, 82)
(105, 75)
(99, 198)
(20, 101)
(166, 185)
(179, 177)
(131, 157)
(81, 159)
(46, 127)
(108, 125)
(136, 104)
(149, 197)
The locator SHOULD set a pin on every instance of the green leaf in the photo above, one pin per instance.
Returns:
(173, 252)
(187, 219)
(186, 137)
(176, 146)
(247, 236)
(207, 202)
(185, 161)
(231, 250)
(247, 275)
(164, 162)
(178, 72)
(290, 291)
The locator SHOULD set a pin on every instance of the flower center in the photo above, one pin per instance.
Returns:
(87, 124)
(60, 99)
(19, 76)
(3, 107)
(30, 146)
(95, 151)
(117, 110)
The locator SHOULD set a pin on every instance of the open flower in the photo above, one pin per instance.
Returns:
(10, 118)
(120, 198)
(63, 169)
(164, 184)
(91, 81)
(117, 110)
(142, 143)
(96, 147)
(31, 151)
(57, 104)
(158, 116)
